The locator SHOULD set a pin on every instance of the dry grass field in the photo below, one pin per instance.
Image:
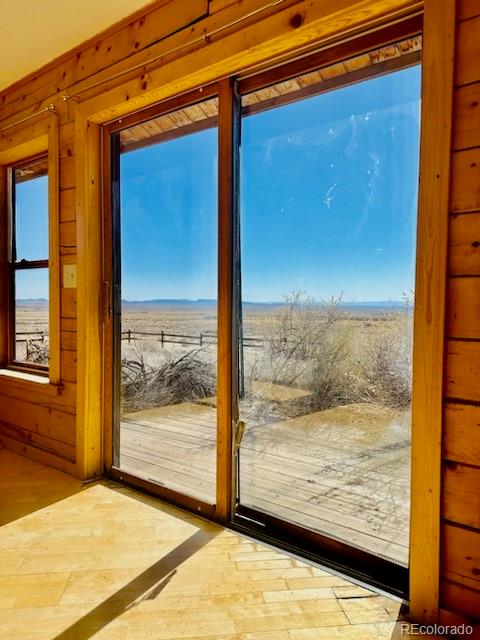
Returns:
(32, 317)
(31, 323)
(334, 356)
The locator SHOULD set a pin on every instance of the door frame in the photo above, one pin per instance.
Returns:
(321, 547)
(102, 105)
(111, 266)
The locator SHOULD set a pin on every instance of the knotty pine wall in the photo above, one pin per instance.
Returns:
(460, 587)
(34, 421)
(42, 425)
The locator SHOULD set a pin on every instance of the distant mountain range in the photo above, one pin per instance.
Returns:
(168, 302)
(158, 303)
(208, 302)
(32, 302)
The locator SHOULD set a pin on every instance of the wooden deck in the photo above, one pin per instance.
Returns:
(344, 472)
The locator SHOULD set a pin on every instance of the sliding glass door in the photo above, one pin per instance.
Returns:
(292, 193)
(166, 302)
(328, 224)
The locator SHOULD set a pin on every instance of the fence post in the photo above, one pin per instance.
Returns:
(162, 338)
(129, 335)
(201, 339)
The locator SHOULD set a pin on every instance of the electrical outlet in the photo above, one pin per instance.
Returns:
(69, 276)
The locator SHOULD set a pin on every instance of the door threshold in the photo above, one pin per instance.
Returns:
(369, 571)
(160, 491)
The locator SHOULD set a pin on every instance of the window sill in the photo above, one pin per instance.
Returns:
(25, 380)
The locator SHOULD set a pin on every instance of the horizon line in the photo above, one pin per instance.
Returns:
(215, 300)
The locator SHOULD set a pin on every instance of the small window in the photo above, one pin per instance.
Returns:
(29, 269)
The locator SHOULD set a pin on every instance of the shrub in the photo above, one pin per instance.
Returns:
(36, 351)
(180, 379)
(295, 338)
(341, 359)
(387, 363)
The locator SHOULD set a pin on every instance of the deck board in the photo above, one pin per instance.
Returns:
(350, 482)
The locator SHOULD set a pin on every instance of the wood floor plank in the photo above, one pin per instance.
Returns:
(104, 561)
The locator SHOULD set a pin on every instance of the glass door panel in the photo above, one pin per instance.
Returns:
(167, 300)
(328, 224)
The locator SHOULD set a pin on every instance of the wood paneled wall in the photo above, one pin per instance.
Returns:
(37, 419)
(41, 422)
(460, 540)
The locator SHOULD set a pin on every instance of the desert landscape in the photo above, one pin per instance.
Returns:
(31, 325)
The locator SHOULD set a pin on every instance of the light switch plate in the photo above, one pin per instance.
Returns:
(69, 276)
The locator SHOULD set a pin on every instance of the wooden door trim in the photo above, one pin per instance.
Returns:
(429, 317)
(437, 87)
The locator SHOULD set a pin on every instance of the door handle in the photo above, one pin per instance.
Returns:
(239, 434)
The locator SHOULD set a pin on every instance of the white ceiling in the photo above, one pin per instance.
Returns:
(33, 32)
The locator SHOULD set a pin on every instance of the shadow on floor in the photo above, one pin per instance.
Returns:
(146, 586)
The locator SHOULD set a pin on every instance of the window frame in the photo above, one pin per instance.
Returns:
(23, 265)
(20, 146)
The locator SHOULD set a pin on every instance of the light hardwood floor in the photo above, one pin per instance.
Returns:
(103, 561)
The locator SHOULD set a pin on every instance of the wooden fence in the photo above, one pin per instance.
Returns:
(38, 336)
(200, 340)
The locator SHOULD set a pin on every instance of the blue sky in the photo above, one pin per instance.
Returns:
(330, 193)
(328, 201)
(31, 221)
(169, 219)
